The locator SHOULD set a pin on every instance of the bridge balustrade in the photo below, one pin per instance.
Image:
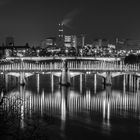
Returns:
(114, 66)
(72, 65)
(30, 66)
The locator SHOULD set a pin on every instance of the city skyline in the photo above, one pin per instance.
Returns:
(32, 20)
(69, 69)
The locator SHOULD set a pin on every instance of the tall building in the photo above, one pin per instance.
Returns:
(80, 41)
(100, 43)
(60, 41)
(74, 41)
(61, 31)
(48, 42)
(70, 41)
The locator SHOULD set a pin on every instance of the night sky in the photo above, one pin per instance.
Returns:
(33, 20)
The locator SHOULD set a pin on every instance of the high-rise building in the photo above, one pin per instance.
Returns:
(60, 41)
(80, 41)
(70, 41)
(47, 42)
(61, 31)
(67, 41)
(100, 43)
(74, 41)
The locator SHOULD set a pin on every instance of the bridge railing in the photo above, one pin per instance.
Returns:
(71, 65)
(31, 66)
(115, 66)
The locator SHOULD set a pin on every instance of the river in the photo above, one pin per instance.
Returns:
(42, 109)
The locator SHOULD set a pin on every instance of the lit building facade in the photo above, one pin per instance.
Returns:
(70, 41)
(51, 41)
(9, 51)
(74, 41)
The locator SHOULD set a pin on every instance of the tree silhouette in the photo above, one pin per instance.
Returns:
(131, 59)
(11, 119)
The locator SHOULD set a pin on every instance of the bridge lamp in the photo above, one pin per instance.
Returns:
(38, 52)
(66, 51)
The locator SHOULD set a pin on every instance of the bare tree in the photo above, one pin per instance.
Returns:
(11, 119)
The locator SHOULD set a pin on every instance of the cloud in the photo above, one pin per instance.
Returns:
(70, 17)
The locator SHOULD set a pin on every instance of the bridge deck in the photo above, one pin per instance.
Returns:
(65, 58)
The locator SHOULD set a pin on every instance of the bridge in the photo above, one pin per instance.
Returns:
(67, 67)
(65, 58)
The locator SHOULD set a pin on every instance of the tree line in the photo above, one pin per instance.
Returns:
(132, 59)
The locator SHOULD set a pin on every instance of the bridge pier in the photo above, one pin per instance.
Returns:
(64, 91)
(103, 82)
(124, 83)
(130, 81)
(38, 82)
(22, 78)
(95, 83)
(52, 82)
(65, 75)
(126, 79)
(138, 80)
(6, 81)
(134, 83)
(108, 78)
(65, 78)
(106, 106)
(81, 83)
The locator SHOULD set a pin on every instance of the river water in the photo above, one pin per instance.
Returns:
(42, 109)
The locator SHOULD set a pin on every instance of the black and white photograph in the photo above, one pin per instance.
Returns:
(69, 70)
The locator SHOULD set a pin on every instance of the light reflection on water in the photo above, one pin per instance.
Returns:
(97, 110)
